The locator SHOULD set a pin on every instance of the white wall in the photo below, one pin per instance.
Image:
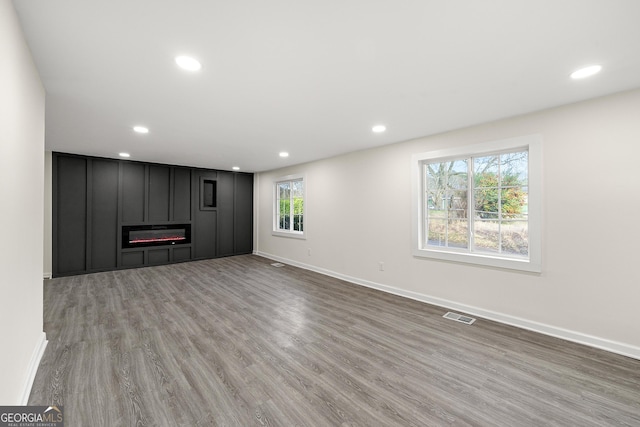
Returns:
(359, 213)
(22, 194)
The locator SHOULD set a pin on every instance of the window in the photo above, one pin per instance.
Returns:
(289, 207)
(480, 204)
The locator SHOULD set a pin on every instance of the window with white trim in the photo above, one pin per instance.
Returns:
(289, 207)
(480, 204)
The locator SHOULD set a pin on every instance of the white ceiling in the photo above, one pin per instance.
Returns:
(311, 77)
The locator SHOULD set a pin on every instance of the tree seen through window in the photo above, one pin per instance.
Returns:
(479, 204)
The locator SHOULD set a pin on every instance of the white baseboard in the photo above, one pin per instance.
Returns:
(34, 363)
(554, 331)
(47, 276)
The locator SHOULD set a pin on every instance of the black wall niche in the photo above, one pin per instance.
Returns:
(94, 198)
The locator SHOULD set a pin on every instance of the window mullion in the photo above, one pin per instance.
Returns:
(277, 207)
(447, 204)
(472, 202)
(500, 204)
(448, 196)
(291, 210)
(425, 192)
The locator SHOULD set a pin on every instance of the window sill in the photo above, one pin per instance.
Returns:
(289, 234)
(478, 259)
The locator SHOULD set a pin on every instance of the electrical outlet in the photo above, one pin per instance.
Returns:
(309, 251)
(381, 265)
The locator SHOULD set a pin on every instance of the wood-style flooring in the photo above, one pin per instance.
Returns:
(237, 342)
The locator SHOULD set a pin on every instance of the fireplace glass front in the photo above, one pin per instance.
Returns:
(134, 236)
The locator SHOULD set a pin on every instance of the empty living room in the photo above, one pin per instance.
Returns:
(316, 213)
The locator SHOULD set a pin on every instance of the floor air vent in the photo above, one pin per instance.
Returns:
(459, 318)
(277, 264)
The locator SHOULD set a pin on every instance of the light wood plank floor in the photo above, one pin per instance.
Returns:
(237, 342)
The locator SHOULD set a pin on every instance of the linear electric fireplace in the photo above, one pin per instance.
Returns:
(135, 236)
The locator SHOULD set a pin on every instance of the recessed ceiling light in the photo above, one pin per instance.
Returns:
(188, 63)
(284, 154)
(379, 128)
(586, 72)
(140, 129)
(236, 168)
(124, 154)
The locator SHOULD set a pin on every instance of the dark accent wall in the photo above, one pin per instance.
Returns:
(93, 198)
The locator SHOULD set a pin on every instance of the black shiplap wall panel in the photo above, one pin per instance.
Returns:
(205, 219)
(133, 259)
(182, 195)
(205, 238)
(71, 215)
(225, 213)
(104, 214)
(243, 214)
(158, 256)
(181, 254)
(133, 192)
(159, 189)
(94, 197)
